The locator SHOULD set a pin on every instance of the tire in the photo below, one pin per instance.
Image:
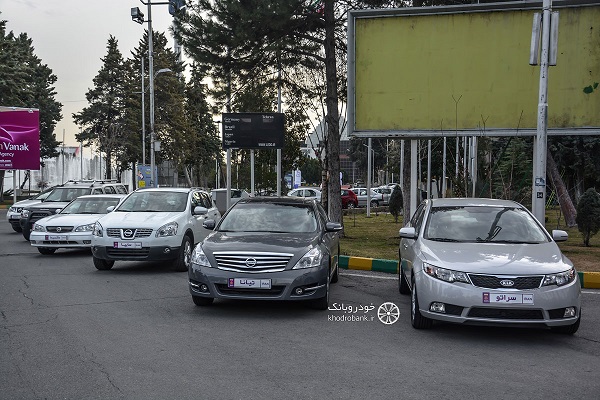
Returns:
(46, 250)
(103, 265)
(202, 301)
(26, 233)
(374, 203)
(336, 275)
(567, 329)
(182, 262)
(323, 302)
(402, 284)
(17, 228)
(417, 320)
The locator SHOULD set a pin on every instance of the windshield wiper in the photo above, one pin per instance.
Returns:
(513, 241)
(440, 239)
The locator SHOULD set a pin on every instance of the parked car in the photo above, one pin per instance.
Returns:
(220, 197)
(307, 193)
(483, 261)
(361, 194)
(349, 199)
(154, 224)
(385, 192)
(72, 227)
(13, 214)
(62, 195)
(267, 248)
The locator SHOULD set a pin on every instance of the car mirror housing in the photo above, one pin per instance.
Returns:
(408, 232)
(333, 227)
(209, 224)
(198, 210)
(109, 209)
(559, 236)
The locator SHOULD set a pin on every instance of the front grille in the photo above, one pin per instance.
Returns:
(493, 282)
(58, 242)
(252, 262)
(275, 291)
(132, 253)
(62, 229)
(505, 313)
(139, 232)
(39, 215)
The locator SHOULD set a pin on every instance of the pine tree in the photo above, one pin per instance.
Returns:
(588, 215)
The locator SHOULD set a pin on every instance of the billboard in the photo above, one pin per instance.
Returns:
(466, 69)
(19, 138)
(253, 130)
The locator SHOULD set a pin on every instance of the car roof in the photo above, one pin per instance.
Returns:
(103, 196)
(478, 201)
(278, 200)
(168, 189)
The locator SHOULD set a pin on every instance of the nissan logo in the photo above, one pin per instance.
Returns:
(58, 229)
(507, 283)
(128, 233)
(250, 262)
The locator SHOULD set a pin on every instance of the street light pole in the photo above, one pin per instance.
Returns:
(151, 76)
(143, 118)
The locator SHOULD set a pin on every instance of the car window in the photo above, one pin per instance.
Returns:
(109, 189)
(483, 224)
(206, 200)
(121, 189)
(269, 217)
(97, 191)
(417, 216)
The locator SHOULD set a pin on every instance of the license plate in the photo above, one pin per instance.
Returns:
(508, 298)
(127, 245)
(15, 217)
(56, 237)
(249, 283)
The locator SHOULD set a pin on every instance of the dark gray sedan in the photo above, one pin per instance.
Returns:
(267, 248)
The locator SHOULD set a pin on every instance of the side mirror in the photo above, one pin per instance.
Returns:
(209, 224)
(408, 233)
(559, 236)
(198, 210)
(109, 209)
(333, 227)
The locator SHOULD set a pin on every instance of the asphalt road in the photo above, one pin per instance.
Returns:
(69, 331)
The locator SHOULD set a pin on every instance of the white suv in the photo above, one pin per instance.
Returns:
(154, 224)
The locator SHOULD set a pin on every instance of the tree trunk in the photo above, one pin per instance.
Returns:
(332, 118)
(566, 204)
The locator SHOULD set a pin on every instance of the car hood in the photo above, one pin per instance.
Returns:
(293, 243)
(497, 258)
(153, 220)
(51, 205)
(25, 203)
(69, 219)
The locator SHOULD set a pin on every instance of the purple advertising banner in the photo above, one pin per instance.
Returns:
(19, 138)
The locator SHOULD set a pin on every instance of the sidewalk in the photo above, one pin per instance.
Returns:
(589, 280)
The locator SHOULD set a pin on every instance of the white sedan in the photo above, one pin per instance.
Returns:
(72, 227)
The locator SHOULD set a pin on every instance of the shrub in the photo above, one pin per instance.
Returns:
(396, 202)
(588, 215)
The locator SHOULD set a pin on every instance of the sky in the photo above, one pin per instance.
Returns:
(71, 38)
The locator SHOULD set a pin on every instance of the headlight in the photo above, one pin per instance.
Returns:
(311, 259)
(39, 228)
(560, 279)
(169, 229)
(199, 258)
(24, 213)
(85, 228)
(97, 231)
(446, 275)
(12, 209)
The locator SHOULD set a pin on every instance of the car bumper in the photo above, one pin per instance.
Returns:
(57, 240)
(468, 304)
(157, 249)
(284, 284)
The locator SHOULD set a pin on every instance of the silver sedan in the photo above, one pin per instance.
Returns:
(489, 262)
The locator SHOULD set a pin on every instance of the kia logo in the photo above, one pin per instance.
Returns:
(250, 262)
(507, 283)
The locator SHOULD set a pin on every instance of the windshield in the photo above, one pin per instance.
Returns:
(66, 194)
(154, 201)
(483, 224)
(269, 217)
(90, 205)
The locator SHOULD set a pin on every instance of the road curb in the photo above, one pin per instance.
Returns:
(589, 280)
